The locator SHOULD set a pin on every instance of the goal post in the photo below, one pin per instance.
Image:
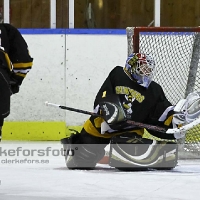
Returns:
(176, 51)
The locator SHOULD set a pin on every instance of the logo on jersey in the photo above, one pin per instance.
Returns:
(130, 92)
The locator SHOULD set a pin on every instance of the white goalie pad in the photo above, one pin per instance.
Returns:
(132, 152)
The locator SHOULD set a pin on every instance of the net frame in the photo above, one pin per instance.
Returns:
(186, 149)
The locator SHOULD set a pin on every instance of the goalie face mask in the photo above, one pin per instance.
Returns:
(141, 67)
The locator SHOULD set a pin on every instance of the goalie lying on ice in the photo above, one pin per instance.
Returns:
(129, 93)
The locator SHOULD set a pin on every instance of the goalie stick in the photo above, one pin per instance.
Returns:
(134, 123)
(72, 109)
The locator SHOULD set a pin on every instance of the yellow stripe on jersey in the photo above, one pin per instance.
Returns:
(20, 74)
(22, 65)
(8, 62)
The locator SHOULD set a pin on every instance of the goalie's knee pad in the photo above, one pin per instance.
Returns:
(81, 156)
(136, 153)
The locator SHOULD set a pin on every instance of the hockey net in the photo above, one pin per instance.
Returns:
(176, 52)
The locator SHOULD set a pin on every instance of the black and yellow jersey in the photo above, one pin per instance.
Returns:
(14, 53)
(147, 105)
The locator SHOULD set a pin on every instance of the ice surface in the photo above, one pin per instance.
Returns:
(50, 181)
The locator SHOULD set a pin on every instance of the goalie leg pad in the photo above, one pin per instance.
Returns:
(81, 155)
(132, 152)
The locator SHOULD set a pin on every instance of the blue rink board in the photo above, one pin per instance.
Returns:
(93, 32)
(74, 31)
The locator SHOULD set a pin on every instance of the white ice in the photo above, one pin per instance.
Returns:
(50, 181)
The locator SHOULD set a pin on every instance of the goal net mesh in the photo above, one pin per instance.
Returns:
(176, 52)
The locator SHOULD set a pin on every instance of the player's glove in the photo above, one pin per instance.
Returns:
(14, 88)
(14, 83)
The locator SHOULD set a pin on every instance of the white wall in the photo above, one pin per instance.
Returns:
(68, 70)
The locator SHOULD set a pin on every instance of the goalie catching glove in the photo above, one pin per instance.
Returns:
(186, 111)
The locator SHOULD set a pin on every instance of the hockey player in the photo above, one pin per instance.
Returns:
(127, 93)
(15, 63)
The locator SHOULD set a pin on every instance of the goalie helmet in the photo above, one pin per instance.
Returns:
(141, 67)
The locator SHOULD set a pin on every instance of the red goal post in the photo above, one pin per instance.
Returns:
(176, 51)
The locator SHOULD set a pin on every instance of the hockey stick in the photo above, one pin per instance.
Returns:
(134, 123)
(72, 109)
(164, 130)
